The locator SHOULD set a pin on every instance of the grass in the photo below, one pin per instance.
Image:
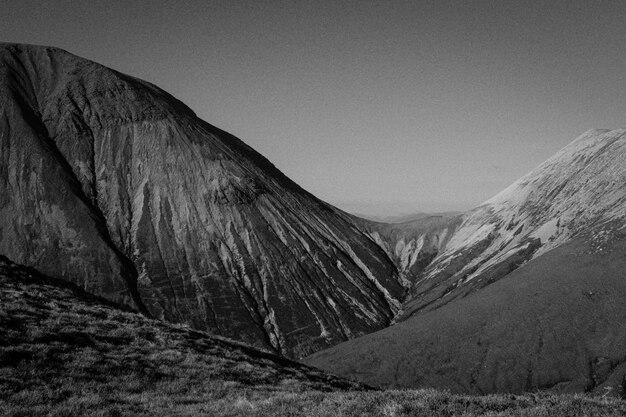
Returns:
(66, 353)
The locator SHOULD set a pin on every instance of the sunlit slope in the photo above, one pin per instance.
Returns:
(582, 186)
(524, 294)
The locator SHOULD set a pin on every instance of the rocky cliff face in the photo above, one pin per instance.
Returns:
(111, 183)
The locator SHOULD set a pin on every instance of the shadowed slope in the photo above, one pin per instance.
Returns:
(103, 175)
(412, 245)
(65, 349)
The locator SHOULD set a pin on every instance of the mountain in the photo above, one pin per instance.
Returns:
(581, 188)
(111, 183)
(526, 293)
(401, 218)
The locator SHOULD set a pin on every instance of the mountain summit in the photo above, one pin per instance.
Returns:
(111, 183)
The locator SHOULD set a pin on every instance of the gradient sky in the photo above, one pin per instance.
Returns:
(375, 106)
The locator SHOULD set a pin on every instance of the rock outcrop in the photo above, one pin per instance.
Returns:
(113, 184)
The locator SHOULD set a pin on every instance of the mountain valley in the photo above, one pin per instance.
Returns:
(115, 194)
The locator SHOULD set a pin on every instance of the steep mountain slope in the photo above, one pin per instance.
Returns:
(578, 188)
(525, 294)
(556, 323)
(105, 176)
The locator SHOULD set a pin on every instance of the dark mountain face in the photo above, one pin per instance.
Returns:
(525, 294)
(111, 183)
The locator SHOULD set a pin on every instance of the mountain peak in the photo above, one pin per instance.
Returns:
(111, 183)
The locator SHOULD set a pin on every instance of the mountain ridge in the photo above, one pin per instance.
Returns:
(524, 295)
(127, 188)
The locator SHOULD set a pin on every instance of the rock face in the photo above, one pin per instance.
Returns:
(111, 183)
(526, 293)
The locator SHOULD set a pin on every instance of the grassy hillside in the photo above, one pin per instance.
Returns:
(66, 353)
(557, 323)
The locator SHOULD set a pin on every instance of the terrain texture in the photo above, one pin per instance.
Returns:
(64, 352)
(110, 183)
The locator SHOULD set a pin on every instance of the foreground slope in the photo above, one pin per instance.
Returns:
(67, 353)
(527, 293)
(111, 183)
(63, 348)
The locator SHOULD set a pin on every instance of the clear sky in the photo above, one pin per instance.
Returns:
(375, 106)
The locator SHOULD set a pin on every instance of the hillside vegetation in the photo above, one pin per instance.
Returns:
(64, 352)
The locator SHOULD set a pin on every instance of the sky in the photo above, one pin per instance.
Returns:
(378, 107)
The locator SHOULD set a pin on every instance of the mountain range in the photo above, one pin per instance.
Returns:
(112, 184)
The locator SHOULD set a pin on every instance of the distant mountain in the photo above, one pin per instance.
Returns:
(111, 183)
(525, 294)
